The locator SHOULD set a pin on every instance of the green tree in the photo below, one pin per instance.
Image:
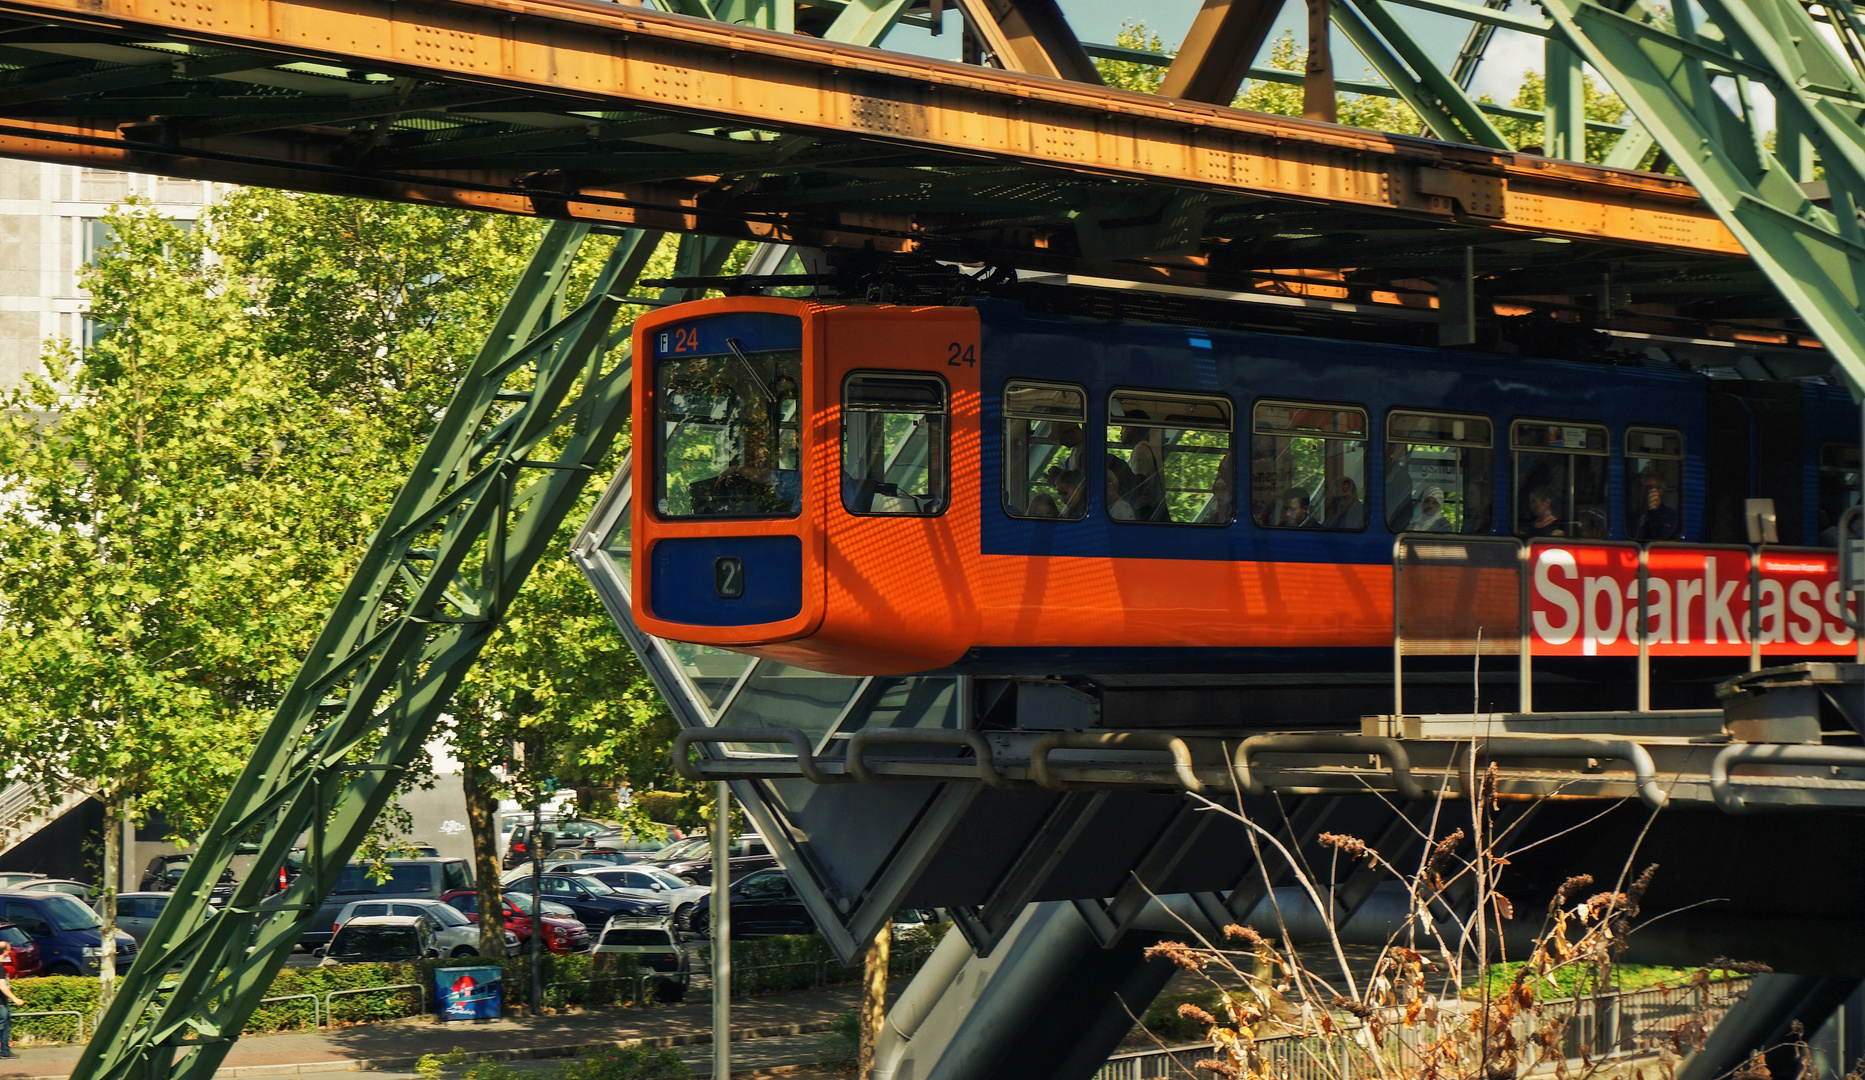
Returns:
(163, 496)
(1131, 75)
(1596, 104)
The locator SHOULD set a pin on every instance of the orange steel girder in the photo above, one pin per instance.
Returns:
(628, 57)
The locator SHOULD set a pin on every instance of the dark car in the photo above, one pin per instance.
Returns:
(408, 879)
(563, 933)
(164, 873)
(764, 904)
(383, 939)
(594, 903)
(68, 934)
(575, 833)
(24, 960)
(749, 855)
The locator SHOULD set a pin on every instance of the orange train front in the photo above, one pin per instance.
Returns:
(873, 489)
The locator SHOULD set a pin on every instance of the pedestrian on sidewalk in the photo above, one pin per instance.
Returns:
(8, 999)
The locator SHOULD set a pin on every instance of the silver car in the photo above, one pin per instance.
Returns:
(454, 933)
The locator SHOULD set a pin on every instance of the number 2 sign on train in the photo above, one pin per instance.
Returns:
(1584, 601)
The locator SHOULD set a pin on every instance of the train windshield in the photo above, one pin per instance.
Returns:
(728, 435)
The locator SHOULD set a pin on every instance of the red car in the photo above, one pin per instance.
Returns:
(562, 933)
(24, 959)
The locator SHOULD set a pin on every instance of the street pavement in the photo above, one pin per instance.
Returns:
(776, 1029)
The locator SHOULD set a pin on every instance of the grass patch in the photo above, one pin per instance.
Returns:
(1581, 981)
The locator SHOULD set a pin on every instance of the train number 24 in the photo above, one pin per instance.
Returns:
(961, 354)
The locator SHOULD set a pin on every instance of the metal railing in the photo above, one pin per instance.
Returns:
(312, 998)
(78, 1016)
(1627, 1024)
(420, 987)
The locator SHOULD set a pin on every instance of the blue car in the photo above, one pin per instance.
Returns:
(67, 932)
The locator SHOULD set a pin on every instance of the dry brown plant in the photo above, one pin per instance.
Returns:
(1427, 1010)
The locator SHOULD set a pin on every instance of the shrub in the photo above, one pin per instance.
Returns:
(841, 1044)
(624, 1063)
(54, 993)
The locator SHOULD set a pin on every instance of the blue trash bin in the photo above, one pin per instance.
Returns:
(468, 993)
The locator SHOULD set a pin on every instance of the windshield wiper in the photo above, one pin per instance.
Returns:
(756, 378)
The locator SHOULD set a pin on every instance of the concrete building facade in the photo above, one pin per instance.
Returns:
(50, 225)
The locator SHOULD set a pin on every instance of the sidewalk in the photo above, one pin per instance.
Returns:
(395, 1046)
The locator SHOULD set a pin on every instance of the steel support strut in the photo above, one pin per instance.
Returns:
(1695, 75)
(530, 420)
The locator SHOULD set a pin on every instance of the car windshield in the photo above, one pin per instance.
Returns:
(69, 914)
(638, 937)
(13, 935)
(377, 942)
(521, 901)
(447, 916)
(667, 879)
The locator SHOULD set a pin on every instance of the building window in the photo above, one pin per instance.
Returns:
(1839, 487)
(1308, 466)
(895, 443)
(1169, 458)
(1044, 460)
(1560, 479)
(1440, 473)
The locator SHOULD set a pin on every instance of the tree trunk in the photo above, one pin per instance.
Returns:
(482, 820)
(116, 812)
(1318, 101)
(873, 998)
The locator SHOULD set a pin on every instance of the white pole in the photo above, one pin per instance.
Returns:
(722, 934)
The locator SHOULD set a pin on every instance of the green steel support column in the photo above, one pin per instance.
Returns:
(505, 464)
(1408, 67)
(1564, 119)
(1814, 254)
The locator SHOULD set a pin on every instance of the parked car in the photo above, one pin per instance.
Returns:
(652, 883)
(68, 934)
(571, 866)
(764, 904)
(24, 960)
(14, 879)
(138, 911)
(605, 856)
(593, 902)
(575, 833)
(679, 849)
(408, 879)
(164, 873)
(563, 931)
(749, 854)
(85, 894)
(379, 939)
(454, 933)
(654, 946)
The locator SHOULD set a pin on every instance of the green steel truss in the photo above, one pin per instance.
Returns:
(532, 418)
(1699, 75)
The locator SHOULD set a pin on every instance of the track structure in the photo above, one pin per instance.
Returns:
(782, 122)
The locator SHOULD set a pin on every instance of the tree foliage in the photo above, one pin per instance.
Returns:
(186, 499)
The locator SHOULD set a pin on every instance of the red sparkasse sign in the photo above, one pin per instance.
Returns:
(1583, 600)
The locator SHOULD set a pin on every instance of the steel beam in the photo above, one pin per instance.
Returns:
(1031, 36)
(456, 545)
(628, 58)
(1691, 85)
(1223, 42)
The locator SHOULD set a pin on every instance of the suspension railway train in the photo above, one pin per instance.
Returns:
(875, 489)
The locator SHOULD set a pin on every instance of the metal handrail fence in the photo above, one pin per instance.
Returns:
(420, 987)
(312, 998)
(78, 1016)
(1626, 1024)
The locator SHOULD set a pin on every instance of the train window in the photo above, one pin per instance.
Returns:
(1654, 484)
(894, 443)
(1308, 466)
(1043, 454)
(1169, 458)
(728, 445)
(1440, 473)
(1839, 487)
(1560, 479)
